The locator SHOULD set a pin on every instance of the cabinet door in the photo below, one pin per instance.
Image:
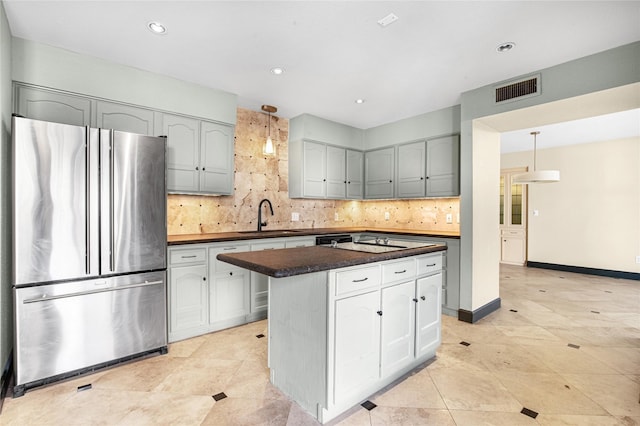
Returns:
(398, 327)
(183, 152)
(229, 295)
(513, 245)
(44, 105)
(357, 344)
(411, 170)
(429, 296)
(336, 172)
(314, 169)
(188, 297)
(124, 118)
(443, 167)
(379, 172)
(216, 158)
(355, 174)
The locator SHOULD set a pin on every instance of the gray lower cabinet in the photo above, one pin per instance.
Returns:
(205, 294)
(379, 172)
(45, 105)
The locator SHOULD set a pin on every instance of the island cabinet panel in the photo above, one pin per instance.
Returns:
(357, 344)
(429, 310)
(337, 337)
(398, 327)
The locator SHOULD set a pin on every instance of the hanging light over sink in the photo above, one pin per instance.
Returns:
(537, 176)
(269, 148)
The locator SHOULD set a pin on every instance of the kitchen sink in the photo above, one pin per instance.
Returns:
(381, 246)
(272, 231)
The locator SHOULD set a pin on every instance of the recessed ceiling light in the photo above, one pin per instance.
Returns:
(389, 19)
(359, 101)
(277, 71)
(157, 28)
(505, 47)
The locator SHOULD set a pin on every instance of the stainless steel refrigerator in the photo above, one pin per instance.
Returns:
(89, 249)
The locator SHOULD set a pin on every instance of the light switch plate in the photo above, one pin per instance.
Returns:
(449, 218)
(386, 216)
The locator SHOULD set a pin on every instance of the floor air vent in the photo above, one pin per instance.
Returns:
(519, 89)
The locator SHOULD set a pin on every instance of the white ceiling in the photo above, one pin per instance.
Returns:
(334, 52)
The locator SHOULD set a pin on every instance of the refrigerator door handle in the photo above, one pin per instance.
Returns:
(112, 234)
(45, 298)
(87, 184)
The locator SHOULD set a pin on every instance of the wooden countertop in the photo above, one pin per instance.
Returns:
(252, 235)
(303, 260)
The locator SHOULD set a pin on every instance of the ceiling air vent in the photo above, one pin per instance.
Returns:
(519, 89)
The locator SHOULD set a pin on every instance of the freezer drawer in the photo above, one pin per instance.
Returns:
(61, 328)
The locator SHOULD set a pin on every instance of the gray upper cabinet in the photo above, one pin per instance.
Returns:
(336, 172)
(411, 170)
(216, 158)
(319, 170)
(443, 170)
(46, 105)
(379, 173)
(355, 174)
(314, 170)
(125, 118)
(199, 156)
(183, 152)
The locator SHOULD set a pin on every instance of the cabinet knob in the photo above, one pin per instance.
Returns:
(421, 178)
(390, 181)
(204, 278)
(349, 182)
(424, 298)
(415, 300)
(230, 273)
(379, 313)
(203, 169)
(324, 180)
(346, 181)
(197, 168)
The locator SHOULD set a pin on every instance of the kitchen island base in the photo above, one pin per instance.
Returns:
(338, 337)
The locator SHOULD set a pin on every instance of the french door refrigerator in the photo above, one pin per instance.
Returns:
(89, 249)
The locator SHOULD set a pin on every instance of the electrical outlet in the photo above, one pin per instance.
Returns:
(536, 213)
(386, 216)
(295, 216)
(458, 217)
(336, 217)
(449, 218)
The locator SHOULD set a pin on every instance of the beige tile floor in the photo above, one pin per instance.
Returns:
(518, 357)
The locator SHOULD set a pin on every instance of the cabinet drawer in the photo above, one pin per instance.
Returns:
(395, 271)
(520, 233)
(429, 264)
(179, 256)
(267, 246)
(357, 279)
(300, 243)
(224, 266)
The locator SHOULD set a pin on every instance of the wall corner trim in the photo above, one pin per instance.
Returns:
(481, 312)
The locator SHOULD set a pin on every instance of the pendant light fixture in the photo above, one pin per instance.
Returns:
(537, 176)
(269, 148)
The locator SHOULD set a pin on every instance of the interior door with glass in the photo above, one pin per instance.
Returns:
(513, 218)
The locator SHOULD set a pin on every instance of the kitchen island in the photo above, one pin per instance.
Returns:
(344, 324)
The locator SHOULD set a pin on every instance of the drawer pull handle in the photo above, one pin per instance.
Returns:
(423, 298)
(379, 313)
(188, 257)
(400, 272)
(230, 248)
(359, 281)
(430, 265)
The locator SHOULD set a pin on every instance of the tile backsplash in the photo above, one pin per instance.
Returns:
(257, 177)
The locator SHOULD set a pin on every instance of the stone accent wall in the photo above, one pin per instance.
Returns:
(257, 177)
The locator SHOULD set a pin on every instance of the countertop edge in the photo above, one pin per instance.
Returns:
(255, 261)
(244, 235)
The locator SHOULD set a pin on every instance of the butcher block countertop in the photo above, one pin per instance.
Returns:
(303, 260)
(270, 233)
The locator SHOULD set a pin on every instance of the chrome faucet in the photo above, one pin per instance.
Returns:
(260, 222)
